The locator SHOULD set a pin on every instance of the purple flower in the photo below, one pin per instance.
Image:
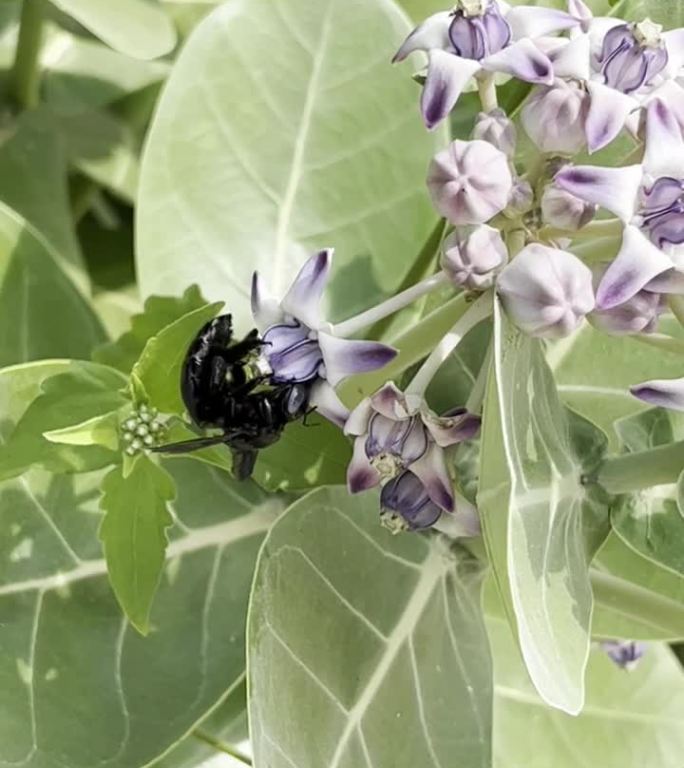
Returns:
(406, 505)
(477, 36)
(553, 117)
(562, 210)
(497, 129)
(546, 292)
(473, 256)
(639, 314)
(664, 393)
(649, 200)
(395, 432)
(470, 182)
(298, 344)
(626, 654)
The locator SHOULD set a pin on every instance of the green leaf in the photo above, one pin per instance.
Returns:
(33, 181)
(346, 166)
(650, 521)
(99, 430)
(133, 535)
(80, 392)
(42, 312)
(379, 640)
(669, 13)
(594, 372)
(311, 454)
(159, 311)
(159, 366)
(65, 647)
(630, 719)
(138, 28)
(542, 524)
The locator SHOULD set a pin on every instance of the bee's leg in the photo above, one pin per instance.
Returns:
(308, 413)
(236, 352)
(243, 463)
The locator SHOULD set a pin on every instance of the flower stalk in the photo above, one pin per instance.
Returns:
(645, 469)
(25, 76)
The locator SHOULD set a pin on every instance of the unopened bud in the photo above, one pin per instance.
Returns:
(470, 182)
(546, 291)
(562, 210)
(521, 199)
(639, 314)
(496, 128)
(473, 256)
(554, 118)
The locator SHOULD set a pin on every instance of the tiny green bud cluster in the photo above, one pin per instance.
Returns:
(142, 429)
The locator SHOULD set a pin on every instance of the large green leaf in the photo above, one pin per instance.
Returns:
(670, 13)
(650, 521)
(42, 312)
(302, 136)
(364, 649)
(133, 534)
(138, 28)
(631, 720)
(542, 524)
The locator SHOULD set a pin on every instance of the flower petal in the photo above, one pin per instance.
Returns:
(666, 393)
(325, 400)
(304, 297)
(361, 474)
(390, 401)
(359, 418)
(432, 471)
(664, 146)
(608, 112)
(452, 428)
(447, 76)
(573, 59)
(344, 357)
(674, 43)
(432, 33)
(534, 21)
(638, 262)
(522, 60)
(580, 10)
(265, 308)
(298, 363)
(616, 189)
(670, 281)
(283, 336)
(463, 522)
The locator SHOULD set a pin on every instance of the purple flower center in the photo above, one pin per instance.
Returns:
(625, 654)
(392, 445)
(629, 60)
(475, 36)
(293, 355)
(662, 212)
(406, 499)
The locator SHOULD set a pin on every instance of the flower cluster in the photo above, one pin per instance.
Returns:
(142, 429)
(556, 240)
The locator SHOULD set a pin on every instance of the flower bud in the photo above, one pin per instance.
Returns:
(521, 199)
(636, 315)
(546, 292)
(554, 117)
(470, 182)
(563, 210)
(473, 256)
(406, 505)
(496, 128)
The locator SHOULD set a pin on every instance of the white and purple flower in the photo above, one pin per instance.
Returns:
(664, 393)
(396, 432)
(480, 37)
(298, 345)
(625, 653)
(649, 200)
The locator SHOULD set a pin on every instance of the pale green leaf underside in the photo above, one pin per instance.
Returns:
(630, 720)
(138, 28)
(363, 649)
(284, 129)
(540, 525)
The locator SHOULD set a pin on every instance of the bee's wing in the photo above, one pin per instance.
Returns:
(187, 446)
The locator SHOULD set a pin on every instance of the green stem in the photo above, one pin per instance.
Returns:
(221, 746)
(676, 304)
(25, 76)
(486, 86)
(596, 229)
(645, 469)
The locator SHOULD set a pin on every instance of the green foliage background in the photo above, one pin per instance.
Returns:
(152, 155)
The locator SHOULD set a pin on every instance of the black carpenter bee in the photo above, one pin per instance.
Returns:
(225, 384)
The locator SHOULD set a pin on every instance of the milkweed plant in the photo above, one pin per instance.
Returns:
(342, 397)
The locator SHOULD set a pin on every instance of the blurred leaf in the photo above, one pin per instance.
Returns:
(81, 392)
(669, 13)
(82, 73)
(137, 28)
(542, 524)
(631, 719)
(307, 455)
(159, 312)
(650, 520)
(33, 180)
(42, 313)
(224, 193)
(133, 534)
(160, 364)
(334, 593)
(98, 430)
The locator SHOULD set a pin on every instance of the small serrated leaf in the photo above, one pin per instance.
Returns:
(100, 430)
(159, 311)
(133, 534)
(159, 366)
